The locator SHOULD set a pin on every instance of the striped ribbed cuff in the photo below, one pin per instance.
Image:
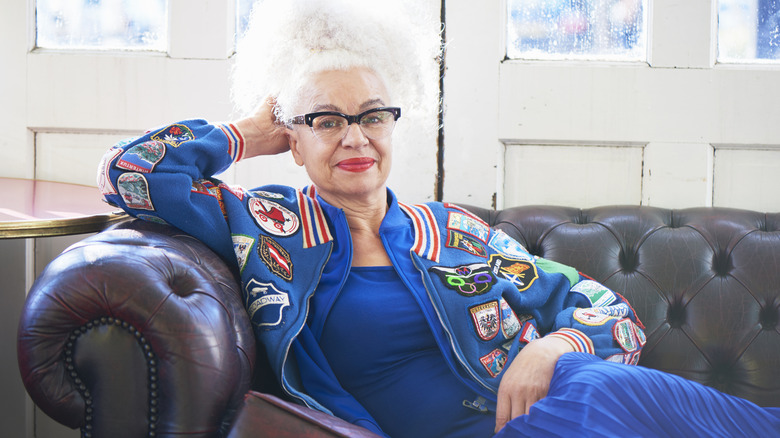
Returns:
(578, 340)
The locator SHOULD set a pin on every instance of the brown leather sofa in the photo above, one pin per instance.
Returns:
(140, 330)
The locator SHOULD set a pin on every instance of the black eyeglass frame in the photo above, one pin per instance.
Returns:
(308, 119)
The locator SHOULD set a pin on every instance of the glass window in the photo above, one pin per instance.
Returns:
(102, 24)
(576, 29)
(748, 30)
(243, 9)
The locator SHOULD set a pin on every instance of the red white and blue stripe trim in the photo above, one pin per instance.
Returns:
(580, 341)
(427, 239)
(236, 143)
(313, 224)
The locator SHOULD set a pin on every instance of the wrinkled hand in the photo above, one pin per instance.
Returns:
(263, 133)
(527, 378)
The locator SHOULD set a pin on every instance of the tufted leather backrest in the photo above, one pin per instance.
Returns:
(705, 282)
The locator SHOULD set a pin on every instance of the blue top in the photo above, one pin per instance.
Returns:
(381, 349)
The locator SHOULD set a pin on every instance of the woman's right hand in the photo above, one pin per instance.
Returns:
(263, 133)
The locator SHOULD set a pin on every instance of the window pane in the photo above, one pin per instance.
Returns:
(748, 30)
(102, 24)
(243, 9)
(577, 29)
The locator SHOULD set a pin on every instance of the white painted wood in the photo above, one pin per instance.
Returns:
(201, 29)
(471, 98)
(677, 175)
(71, 157)
(546, 174)
(679, 103)
(747, 178)
(683, 33)
(16, 154)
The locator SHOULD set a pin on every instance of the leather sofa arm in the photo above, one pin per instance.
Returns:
(137, 331)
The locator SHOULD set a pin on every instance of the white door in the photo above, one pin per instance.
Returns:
(61, 109)
(678, 129)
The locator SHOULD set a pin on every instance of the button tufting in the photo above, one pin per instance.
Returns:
(721, 263)
(675, 314)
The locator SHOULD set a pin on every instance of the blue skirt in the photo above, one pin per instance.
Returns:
(592, 397)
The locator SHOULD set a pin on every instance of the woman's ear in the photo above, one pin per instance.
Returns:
(294, 144)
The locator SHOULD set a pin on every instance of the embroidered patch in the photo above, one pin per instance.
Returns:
(597, 294)
(275, 257)
(529, 332)
(237, 191)
(494, 362)
(266, 302)
(466, 243)
(589, 317)
(242, 246)
(103, 180)
(508, 246)
(510, 324)
(467, 280)
(634, 360)
(619, 310)
(142, 157)
(273, 218)
(485, 318)
(619, 358)
(174, 135)
(521, 273)
(625, 335)
(204, 187)
(150, 218)
(466, 224)
(134, 189)
(270, 195)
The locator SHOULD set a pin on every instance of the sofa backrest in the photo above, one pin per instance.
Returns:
(704, 281)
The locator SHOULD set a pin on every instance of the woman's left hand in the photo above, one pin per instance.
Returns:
(527, 378)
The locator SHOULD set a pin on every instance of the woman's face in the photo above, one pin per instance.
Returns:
(356, 167)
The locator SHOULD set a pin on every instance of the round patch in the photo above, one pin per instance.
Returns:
(273, 218)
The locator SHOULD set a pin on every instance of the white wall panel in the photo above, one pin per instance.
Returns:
(583, 176)
(747, 178)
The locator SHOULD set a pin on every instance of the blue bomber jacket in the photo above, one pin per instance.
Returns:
(483, 295)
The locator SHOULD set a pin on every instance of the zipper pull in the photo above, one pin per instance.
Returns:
(477, 405)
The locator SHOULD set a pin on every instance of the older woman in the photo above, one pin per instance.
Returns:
(410, 320)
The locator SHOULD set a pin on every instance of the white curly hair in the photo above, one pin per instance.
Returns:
(289, 40)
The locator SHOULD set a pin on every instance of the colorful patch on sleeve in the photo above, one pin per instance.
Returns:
(242, 245)
(510, 323)
(134, 189)
(236, 191)
(467, 224)
(468, 280)
(142, 157)
(265, 303)
(150, 218)
(508, 246)
(521, 273)
(597, 294)
(103, 179)
(618, 310)
(529, 332)
(273, 217)
(276, 258)
(625, 335)
(466, 243)
(494, 362)
(270, 195)
(174, 135)
(590, 317)
(486, 319)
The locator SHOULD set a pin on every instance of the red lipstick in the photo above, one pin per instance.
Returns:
(356, 164)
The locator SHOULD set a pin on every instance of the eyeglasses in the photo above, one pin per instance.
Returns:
(332, 126)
